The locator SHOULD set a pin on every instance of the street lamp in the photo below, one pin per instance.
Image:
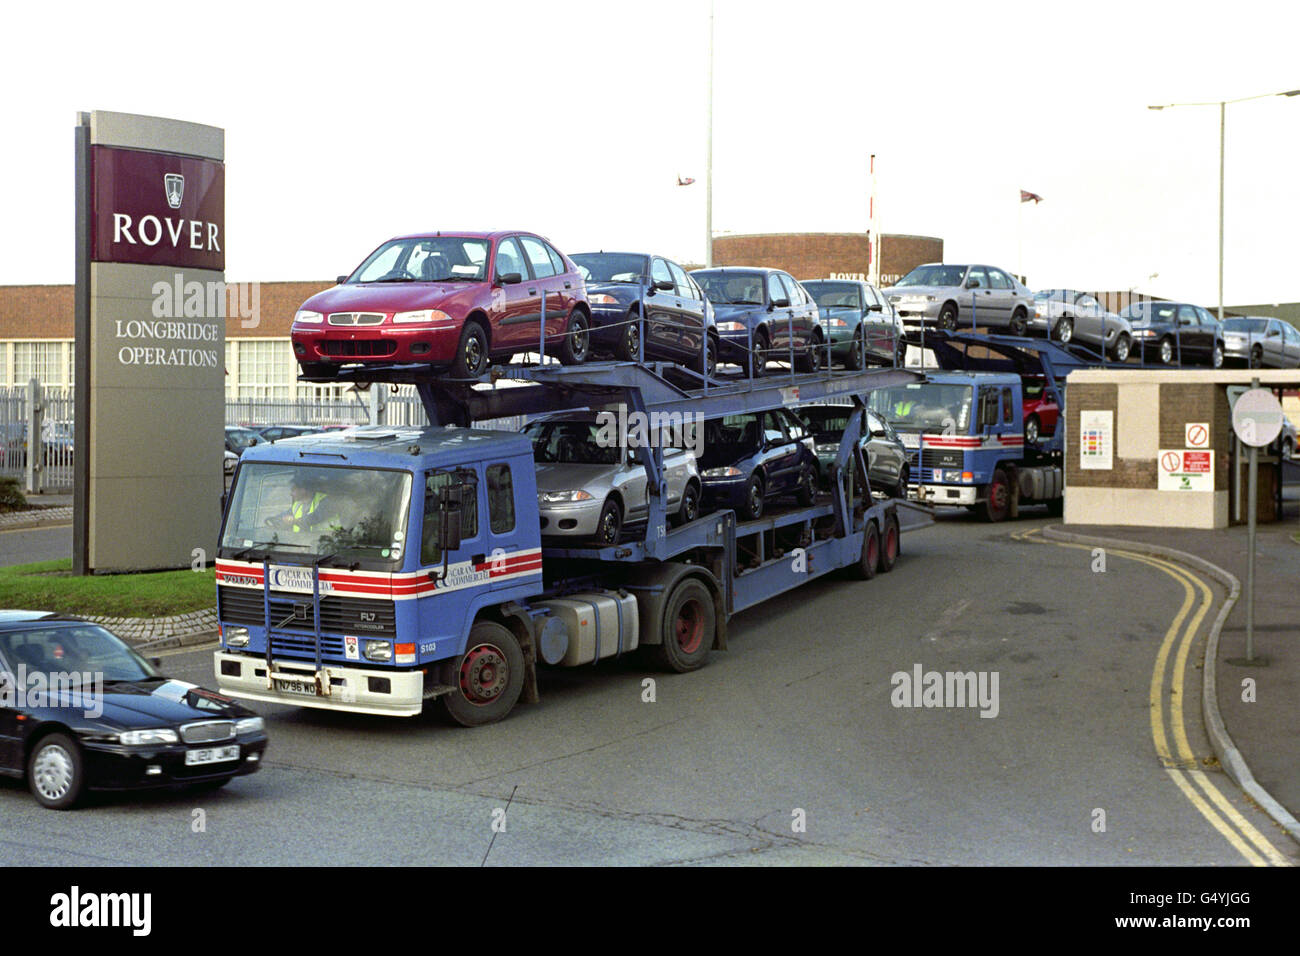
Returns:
(1222, 105)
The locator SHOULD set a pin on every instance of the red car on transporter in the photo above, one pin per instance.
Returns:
(451, 300)
(1040, 407)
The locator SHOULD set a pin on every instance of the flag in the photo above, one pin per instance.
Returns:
(1026, 196)
(684, 180)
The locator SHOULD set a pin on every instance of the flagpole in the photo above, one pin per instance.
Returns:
(708, 164)
(1020, 239)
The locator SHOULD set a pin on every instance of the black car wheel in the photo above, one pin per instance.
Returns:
(752, 508)
(54, 772)
(710, 358)
(577, 339)
(857, 351)
(948, 318)
(610, 523)
(629, 343)
(1020, 322)
(806, 492)
(1256, 357)
(758, 358)
(1167, 355)
(489, 677)
(1065, 330)
(689, 509)
(1122, 348)
(471, 352)
(900, 489)
(811, 360)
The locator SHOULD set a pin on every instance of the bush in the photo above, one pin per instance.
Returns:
(11, 496)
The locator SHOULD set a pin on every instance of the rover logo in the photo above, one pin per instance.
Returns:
(174, 183)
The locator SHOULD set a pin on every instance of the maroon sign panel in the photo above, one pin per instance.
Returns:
(158, 209)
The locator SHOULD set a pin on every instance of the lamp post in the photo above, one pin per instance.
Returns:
(1223, 108)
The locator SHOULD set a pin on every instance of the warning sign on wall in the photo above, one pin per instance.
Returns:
(1183, 470)
(1198, 435)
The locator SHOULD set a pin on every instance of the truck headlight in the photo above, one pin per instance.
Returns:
(378, 651)
(143, 738)
(422, 315)
(249, 725)
(235, 636)
(307, 317)
(563, 497)
(953, 477)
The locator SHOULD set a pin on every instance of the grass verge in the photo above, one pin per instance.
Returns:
(51, 586)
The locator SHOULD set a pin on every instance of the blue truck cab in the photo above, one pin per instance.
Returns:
(333, 543)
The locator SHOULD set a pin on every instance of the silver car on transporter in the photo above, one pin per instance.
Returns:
(589, 487)
(1070, 316)
(951, 297)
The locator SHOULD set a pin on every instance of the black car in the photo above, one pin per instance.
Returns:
(676, 309)
(80, 710)
(276, 432)
(763, 315)
(753, 457)
(1175, 333)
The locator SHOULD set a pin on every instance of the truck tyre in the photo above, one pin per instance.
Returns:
(688, 627)
(488, 677)
(471, 352)
(948, 317)
(55, 773)
(577, 339)
(890, 543)
(869, 559)
(997, 500)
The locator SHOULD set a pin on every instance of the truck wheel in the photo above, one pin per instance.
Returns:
(869, 560)
(488, 677)
(629, 343)
(948, 318)
(610, 523)
(891, 543)
(688, 627)
(752, 507)
(998, 499)
(471, 352)
(54, 772)
(577, 339)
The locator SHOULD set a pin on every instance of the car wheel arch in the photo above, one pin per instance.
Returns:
(480, 317)
(43, 730)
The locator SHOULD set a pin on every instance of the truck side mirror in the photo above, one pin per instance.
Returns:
(449, 504)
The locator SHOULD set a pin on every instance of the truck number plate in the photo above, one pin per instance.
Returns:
(305, 688)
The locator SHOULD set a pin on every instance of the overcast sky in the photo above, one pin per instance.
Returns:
(349, 123)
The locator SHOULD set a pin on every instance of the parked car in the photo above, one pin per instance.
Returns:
(276, 432)
(1040, 408)
(1068, 316)
(765, 309)
(107, 719)
(949, 296)
(1287, 440)
(677, 310)
(451, 300)
(591, 490)
(1175, 333)
(886, 457)
(858, 321)
(751, 458)
(237, 439)
(1261, 342)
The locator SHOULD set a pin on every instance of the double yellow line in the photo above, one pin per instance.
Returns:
(1179, 762)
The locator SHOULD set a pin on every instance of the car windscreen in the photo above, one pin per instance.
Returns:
(926, 406)
(831, 295)
(427, 259)
(74, 648)
(824, 422)
(571, 443)
(1259, 326)
(302, 511)
(731, 288)
(1148, 313)
(729, 439)
(933, 276)
(610, 266)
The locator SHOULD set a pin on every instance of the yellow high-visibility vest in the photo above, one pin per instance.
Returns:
(298, 508)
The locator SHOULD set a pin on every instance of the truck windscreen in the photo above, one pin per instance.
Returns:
(309, 511)
(925, 406)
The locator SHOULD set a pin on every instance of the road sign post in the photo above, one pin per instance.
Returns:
(1257, 420)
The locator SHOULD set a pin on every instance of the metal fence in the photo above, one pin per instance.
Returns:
(51, 465)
